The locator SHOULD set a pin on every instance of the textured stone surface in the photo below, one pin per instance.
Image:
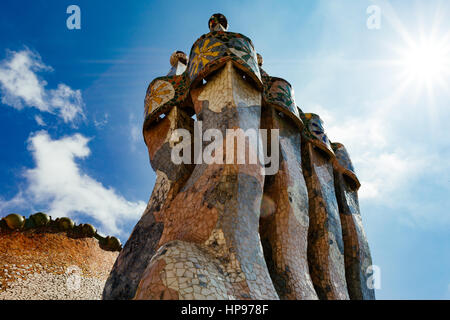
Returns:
(144, 239)
(52, 286)
(325, 243)
(356, 247)
(218, 207)
(285, 232)
(42, 265)
(229, 229)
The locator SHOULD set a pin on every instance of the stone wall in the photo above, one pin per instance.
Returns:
(47, 263)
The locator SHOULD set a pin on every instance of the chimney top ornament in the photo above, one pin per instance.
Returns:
(178, 56)
(260, 59)
(218, 22)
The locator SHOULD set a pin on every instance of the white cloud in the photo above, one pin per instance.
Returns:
(39, 120)
(21, 87)
(20, 84)
(135, 133)
(382, 166)
(135, 126)
(101, 123)
(68, 101)
(396, 171)
(386, 173)
(58, 184)
(17, 202)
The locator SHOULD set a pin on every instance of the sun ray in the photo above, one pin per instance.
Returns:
(423, 61)
(419, 67)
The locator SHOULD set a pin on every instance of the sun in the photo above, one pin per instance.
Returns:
(420, 55)
(426, 61)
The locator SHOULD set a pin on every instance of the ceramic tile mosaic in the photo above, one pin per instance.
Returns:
(325, 243)
(284, 231)
(230, 230)
(314, 131)
(356, 247)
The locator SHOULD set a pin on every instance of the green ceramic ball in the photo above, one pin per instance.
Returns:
(15, 221)
(113, 243)
(65, 223)
(88, 230)
(40, 219)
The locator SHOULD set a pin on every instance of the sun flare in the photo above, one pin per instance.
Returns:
(426, 61)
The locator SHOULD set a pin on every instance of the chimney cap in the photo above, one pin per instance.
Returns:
(178, 56)
(218, 22)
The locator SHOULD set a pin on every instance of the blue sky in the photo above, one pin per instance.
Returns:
(71, 136)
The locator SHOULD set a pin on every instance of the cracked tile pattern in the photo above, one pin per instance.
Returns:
(325, 243)
(284, 233)
(143, 241)
(356, 248)
(218, 207)
(228, 231)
